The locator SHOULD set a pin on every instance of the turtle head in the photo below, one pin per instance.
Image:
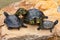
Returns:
(6, 14)
(21, 11)
(55, 22)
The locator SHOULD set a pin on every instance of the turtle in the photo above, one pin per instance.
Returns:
(49, 25)
(21, 11)
(13, 21)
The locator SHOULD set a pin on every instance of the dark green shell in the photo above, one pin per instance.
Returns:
(21, 11)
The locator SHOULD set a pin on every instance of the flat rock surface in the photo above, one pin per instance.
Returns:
(32, 29)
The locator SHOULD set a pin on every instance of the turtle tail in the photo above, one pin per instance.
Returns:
(46, 17)
(55, 22)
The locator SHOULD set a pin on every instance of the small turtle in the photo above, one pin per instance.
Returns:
(21, 11)
(13, 22)
(49, 25)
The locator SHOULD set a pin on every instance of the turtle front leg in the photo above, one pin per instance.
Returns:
(9, 28)
(51, 30)
(18, 28)
(24, 26)
(40, 25)
(39, 28)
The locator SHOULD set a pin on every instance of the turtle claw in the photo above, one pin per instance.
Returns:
(24, 26)
(51, 30)
(18, 28)
(38, 28)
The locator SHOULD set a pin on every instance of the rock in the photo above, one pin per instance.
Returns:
(1, 17)
(57, 1)
(31, 30)
(45, 5)
(58, 9)
(30, 37)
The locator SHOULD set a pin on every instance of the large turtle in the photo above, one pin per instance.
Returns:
(49, 25)
(13, 21)
(34, 16)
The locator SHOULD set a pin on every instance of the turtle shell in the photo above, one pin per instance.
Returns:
(34, 13)
(48, 24)
(13, 22)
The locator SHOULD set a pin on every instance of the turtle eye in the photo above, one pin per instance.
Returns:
(32, 22)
